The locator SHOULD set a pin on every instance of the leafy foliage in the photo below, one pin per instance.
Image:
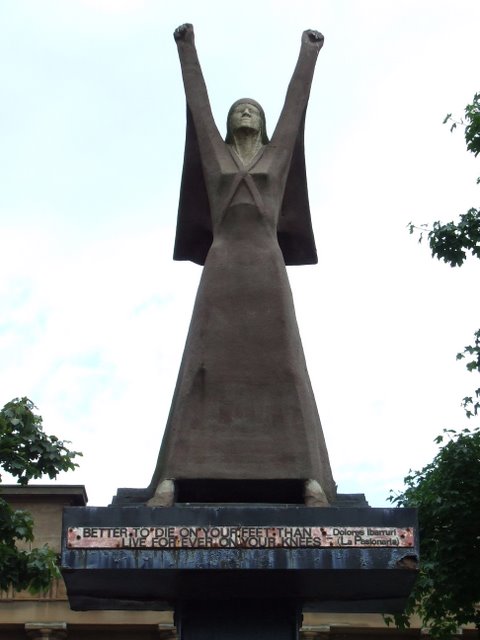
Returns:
(447, 495)
(472, 404)
(447, 491)
(27, 452)
(450, 241)
(472, 127)
(33, 570)
(471, 124)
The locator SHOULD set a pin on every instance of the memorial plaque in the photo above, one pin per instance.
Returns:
(331, 559)
(237, 537)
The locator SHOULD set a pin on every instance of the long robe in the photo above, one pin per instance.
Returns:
(243, 408)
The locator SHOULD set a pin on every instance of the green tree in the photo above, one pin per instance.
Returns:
(450, 241)
(446, 492)
(26, 452)
(453, 241)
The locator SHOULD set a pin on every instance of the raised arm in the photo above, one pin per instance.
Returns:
(195, 88)
(298, 91)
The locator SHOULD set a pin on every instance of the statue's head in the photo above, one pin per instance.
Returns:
(246, 111)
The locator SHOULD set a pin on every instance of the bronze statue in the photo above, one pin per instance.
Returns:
(243, 407)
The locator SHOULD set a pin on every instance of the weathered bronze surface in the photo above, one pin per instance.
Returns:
(243, 407)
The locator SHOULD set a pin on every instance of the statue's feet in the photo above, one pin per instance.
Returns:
(314, 494)
(164, 495)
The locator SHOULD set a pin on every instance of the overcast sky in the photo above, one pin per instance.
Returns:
(93, 310)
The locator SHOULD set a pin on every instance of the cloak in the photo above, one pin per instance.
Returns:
(194, 227)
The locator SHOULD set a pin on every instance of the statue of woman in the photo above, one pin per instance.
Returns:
(243, 408)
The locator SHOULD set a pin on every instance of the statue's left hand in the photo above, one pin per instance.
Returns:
(313, 37)
(184, 33)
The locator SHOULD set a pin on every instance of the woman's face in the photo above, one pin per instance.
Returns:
(245, 116)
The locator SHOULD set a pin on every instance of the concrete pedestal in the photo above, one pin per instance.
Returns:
(322, 559)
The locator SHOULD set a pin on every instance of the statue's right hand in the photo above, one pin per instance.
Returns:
(184, 33)
(312, 37)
